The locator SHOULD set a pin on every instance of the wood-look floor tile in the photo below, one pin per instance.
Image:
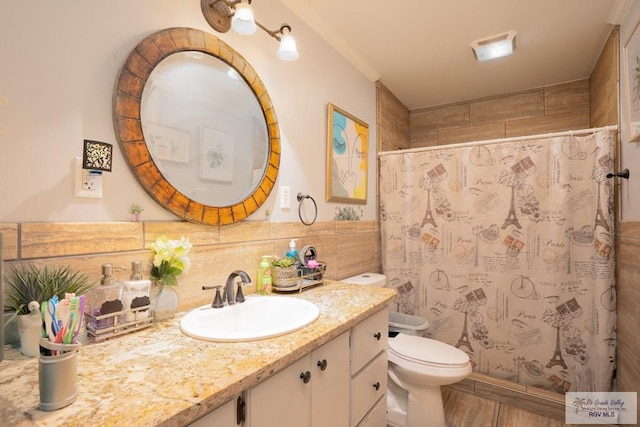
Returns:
(510, 416)
(465, 410)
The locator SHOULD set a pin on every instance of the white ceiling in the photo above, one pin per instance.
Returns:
(420, 49)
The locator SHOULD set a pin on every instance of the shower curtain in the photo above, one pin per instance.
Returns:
(506, 248)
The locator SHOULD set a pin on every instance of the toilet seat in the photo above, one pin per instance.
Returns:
(427, 352)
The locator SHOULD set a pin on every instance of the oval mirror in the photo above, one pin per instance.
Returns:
(197, 126)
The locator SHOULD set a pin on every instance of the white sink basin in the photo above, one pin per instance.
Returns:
(257, 318)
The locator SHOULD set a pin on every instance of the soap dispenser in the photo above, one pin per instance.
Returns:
(105, 299)
(135, 293)
(264, 285)
(292, 252)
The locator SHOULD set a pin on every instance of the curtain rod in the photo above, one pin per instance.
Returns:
(493, 141)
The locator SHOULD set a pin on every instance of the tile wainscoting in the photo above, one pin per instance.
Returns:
(348, 248)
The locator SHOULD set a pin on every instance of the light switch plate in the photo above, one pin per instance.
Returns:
(285, 197)
(87, 183)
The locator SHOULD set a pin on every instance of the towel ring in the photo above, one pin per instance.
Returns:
(301, 198)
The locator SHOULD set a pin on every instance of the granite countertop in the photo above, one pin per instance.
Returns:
(158, 376)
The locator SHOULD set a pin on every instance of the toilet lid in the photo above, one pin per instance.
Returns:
(426, 351)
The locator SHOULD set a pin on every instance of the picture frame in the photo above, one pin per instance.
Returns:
(347, 157)
(217, 155)
(631, 64)
(168, 143)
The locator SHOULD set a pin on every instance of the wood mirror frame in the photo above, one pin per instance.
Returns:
(127, 97)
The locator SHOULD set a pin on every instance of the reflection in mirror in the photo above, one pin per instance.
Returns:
(196, 126)
(204, 128)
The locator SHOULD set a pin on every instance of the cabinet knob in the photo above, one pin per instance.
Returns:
(305, 376)
(322, 364)
(377, 336)
(376, 385)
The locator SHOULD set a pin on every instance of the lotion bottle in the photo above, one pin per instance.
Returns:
(135, 293)
(264, 276)
(105, 299)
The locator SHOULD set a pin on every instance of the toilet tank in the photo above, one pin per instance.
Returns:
(367, 279)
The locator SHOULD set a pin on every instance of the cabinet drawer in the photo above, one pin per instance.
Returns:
(369, 338)
(368, 387)
(377, 417)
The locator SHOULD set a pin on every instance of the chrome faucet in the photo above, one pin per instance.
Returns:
(229, 291)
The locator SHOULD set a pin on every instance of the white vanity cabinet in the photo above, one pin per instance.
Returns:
(369, 371)
(314, 391)
(342, 383)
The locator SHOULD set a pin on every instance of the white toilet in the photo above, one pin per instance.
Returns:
(418, 366)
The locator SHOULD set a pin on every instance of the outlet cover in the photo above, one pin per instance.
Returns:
(87, 183)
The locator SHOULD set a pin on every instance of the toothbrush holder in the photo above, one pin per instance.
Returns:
(58, 375)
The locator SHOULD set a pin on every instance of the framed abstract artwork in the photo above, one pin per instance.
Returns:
(347, 154)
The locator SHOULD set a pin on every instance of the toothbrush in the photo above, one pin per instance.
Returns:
(73, 321)
(81, 308)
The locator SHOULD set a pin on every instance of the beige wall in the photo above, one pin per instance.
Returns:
(348, 248)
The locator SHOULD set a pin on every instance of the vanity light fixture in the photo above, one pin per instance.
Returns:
(225, 14)
(495, 46)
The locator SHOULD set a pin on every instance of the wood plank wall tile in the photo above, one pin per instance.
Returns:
(566, 98)
(9, 232)
(47, 239)
(321, 228)
(245, 231)
(425, 123)
(86, 246)
(553, 108)
(287, 230)
(471, 133)
(557, 123)
(628, 305)
(198, 234)
(392, 119)
(519, 105)
(604, 82)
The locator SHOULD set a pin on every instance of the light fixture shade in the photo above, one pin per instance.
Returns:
(288, 51)
(495, 46)
(243, 21)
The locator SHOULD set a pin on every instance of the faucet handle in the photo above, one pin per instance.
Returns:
(239, 294)
(217, 300)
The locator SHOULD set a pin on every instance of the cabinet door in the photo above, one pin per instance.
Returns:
(284, 400)
(224, 416)
(330, 383)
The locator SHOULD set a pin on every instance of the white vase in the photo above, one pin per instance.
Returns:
(29, 330)
(164, 302)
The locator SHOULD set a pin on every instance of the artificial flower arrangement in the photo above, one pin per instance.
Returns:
(169, 259)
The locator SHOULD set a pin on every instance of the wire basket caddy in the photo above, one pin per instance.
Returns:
(292, 279)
